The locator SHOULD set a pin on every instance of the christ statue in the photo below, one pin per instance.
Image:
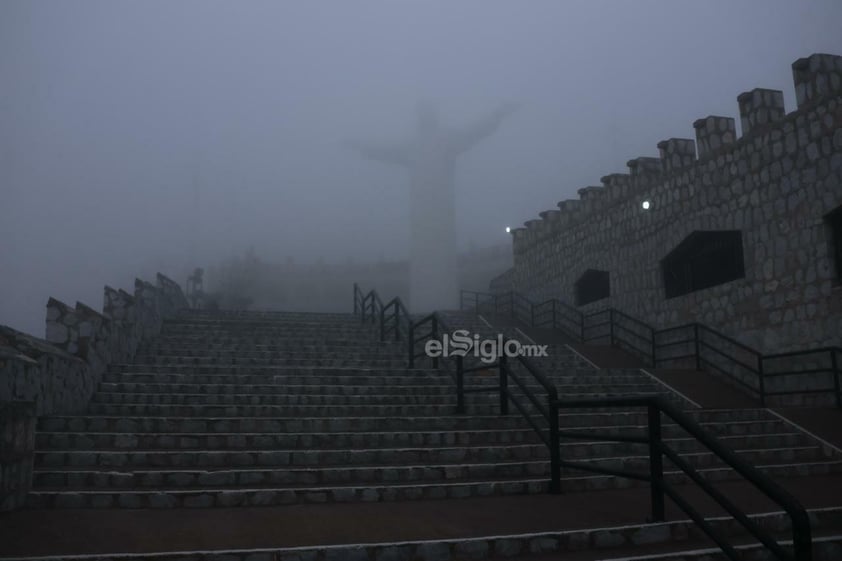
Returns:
(430, 157)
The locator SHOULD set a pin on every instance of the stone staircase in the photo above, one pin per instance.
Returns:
(238, 409)
(255, 409)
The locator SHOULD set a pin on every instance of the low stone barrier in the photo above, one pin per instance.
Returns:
(59, 374)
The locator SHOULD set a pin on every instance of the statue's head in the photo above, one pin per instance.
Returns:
(427, 115)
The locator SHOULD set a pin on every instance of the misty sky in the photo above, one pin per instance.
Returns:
(163, 135)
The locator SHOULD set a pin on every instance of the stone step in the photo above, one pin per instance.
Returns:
(278, 458)
(280, 379)
(260, 322)
(128, 478)
(298, 441)
(303, 359)
(255, 399)
(325, 390)
(609, 455)
(608, 414)
(216, 353)
(257, 496)
(288, 494)
(329, 376)
(247, 346)
(163, 479)
(386, 363)
(314, 332)
(623, 423)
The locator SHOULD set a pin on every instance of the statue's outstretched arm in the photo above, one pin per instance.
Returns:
(465, 138)
(388, 154)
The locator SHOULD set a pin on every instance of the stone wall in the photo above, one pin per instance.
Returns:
(17, 447)
(775, 183)
(60, 374)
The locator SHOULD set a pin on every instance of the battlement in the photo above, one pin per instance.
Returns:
(761, 111)
(59, 373)
(776, 181)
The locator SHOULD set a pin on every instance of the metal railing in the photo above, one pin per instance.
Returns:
(692, 344)
(658, 449)
(547, 407)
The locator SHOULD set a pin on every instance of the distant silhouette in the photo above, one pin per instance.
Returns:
(430, 157)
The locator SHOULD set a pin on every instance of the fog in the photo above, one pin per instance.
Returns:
(138, 137)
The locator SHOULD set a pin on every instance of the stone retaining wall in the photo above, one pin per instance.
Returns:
(60, 374)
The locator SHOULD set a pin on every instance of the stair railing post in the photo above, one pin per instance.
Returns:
(834, 363)
(397, 322)
(697, 346)
(504, 382)
(555, 444)
(512, 304)
(582, 327)
(435, 334)
(554, 325)
(656, 464)
(460, 385)
(382, 324)
(356, 308)
(654, 347)
(411, 344)
(761, 379)
(373, 314)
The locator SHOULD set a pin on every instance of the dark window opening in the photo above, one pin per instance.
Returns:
(593, 285)
(834, 220)
(703, 260)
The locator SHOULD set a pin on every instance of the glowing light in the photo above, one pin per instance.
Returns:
(646, 205)
(508, 230)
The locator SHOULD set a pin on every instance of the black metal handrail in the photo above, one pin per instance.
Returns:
(659, 488)
(710, 349)
(656, 407)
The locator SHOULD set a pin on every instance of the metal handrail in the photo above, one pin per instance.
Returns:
(656, 405)
(658, 449)
(649, 345)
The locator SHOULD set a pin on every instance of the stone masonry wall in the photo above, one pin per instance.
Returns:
(775, 183)
(60, 374)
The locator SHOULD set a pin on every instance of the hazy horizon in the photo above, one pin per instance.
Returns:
(138, 137)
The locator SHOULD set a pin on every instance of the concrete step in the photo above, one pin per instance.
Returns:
(316, 359)
(478, 406)
(326, 390)
(609, 455)
(297, 441)
(419, 398)
(211, 353)
(248, 346)
(256, 495)
(619, 422)
(318, 377)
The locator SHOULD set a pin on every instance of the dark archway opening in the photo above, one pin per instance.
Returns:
(704, 259)
(593, 285)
